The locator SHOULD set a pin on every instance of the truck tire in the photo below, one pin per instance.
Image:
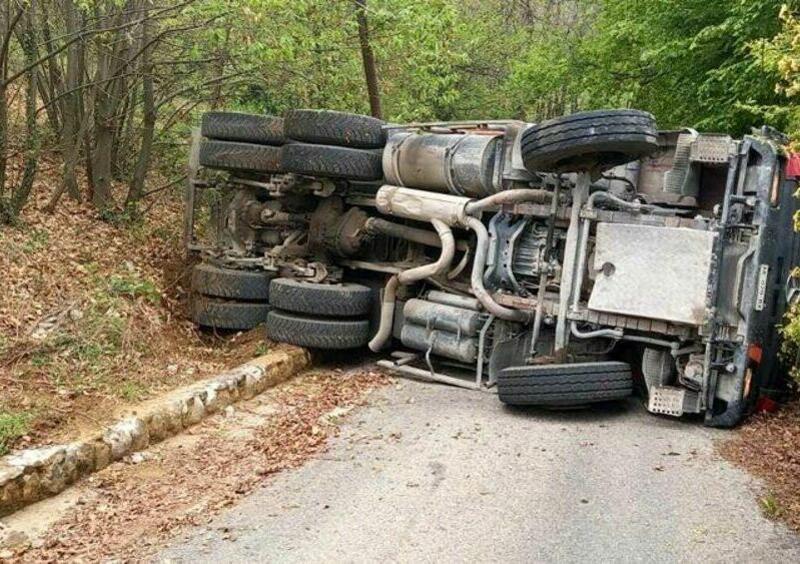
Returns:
(326, 334)
(565, 384)
(332, 300)
(247, 285)
(328, 127)
(589, 141)
(233, 156)
(249, 128)
(332, 162)
(223, 314)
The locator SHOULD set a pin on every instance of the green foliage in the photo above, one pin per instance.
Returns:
(132, 286)
(691, 62)
(790, 347)
(306, 54)
(770, 506)
(427, 76)
(13, 424)
(131, 391)
(784, 53)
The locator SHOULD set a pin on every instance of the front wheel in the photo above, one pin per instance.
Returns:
(589, 141)
(565, 385)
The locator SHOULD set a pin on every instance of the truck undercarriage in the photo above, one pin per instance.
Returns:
(560, 263)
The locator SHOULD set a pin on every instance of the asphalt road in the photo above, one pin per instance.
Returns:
(427, 473)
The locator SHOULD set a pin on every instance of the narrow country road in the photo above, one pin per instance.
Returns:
(427, 473)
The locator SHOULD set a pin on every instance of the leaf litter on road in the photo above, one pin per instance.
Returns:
(131, 509)
(768, 446)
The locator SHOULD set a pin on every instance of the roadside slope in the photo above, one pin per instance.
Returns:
(126, 510)
(92, 319)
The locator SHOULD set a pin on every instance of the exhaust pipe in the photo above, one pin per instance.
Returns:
(443, 211)
(409, 276)
(476, 280)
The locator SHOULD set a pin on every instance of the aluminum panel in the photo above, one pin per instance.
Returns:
(652, 272)
(712, 149)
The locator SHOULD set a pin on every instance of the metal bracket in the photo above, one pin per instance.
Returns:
(401, 367)
(190, 199)
(579, 195)
(504, 233)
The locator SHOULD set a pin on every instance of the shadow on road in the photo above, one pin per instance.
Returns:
(600, 412)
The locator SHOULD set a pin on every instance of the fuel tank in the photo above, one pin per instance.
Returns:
(465, 164)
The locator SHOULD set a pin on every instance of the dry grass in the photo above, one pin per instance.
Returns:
(92, 316)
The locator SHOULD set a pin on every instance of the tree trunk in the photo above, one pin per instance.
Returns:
(103, 128)
(70, 137)
(219, 70)
(125, 115)
(137, 184)
(27, 40)
(3, 135)
(5, 38)
(370, 68)
(54, 74)
(112, 60)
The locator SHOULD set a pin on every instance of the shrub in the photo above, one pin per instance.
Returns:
(12, 426)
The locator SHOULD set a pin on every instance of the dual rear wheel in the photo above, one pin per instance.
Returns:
(318, 316)
(320, 143)
(227, 298)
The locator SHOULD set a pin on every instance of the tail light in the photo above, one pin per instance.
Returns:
(766, 405)
(793, 166)
(755, 352)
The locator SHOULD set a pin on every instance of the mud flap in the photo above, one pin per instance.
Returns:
(732, 416)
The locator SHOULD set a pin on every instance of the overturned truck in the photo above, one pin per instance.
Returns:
(559, 263)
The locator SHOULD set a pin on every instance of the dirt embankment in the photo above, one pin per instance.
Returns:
(92, 318)
(127, 510)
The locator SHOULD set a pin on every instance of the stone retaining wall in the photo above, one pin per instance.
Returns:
(34, 474)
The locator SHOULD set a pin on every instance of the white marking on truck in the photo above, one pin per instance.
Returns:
(763, 272)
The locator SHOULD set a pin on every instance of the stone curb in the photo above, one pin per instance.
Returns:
(34, 474)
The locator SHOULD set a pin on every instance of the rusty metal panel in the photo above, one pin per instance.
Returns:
(652, 272)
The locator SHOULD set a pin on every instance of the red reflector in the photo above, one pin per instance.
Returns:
(754, 353)
(766, 405)
(793, 166)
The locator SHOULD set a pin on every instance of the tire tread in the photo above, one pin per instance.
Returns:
(587, 141)
(329, 127)
(568, 384)
(335, 300)
(237, 126)
(333, 162)
(232, 156)
(327, 334)
(219, 282)
(224, 314)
